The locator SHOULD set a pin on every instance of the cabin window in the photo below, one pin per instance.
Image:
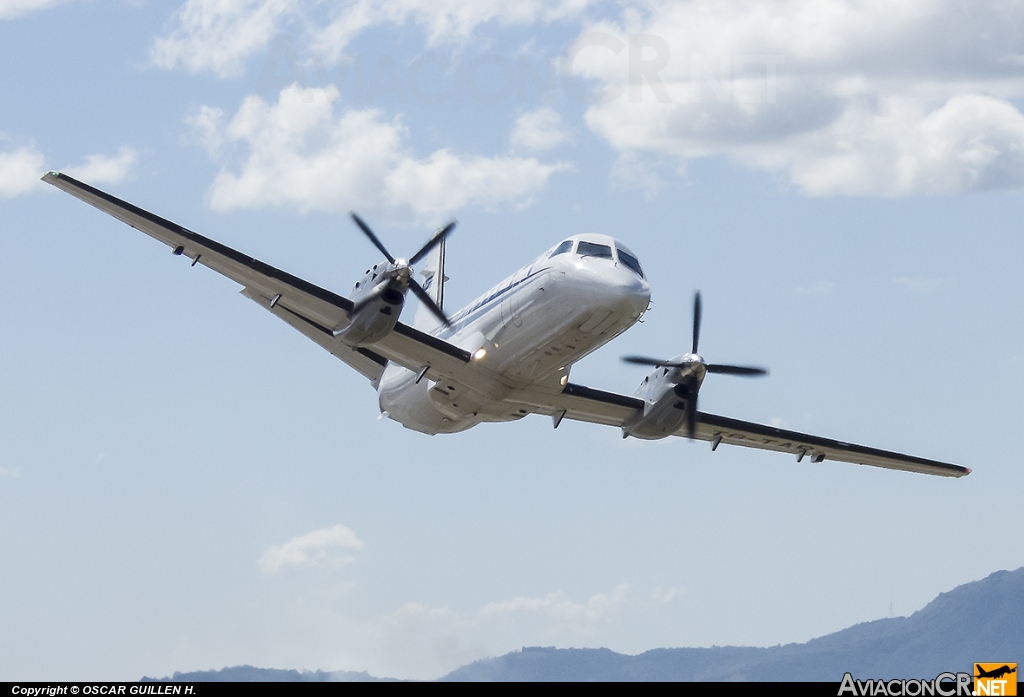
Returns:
(589, 249)
(562, 249)
(630, 261)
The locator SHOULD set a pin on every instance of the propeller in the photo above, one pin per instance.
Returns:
(690, 384)
(740, 370)
(401, 270)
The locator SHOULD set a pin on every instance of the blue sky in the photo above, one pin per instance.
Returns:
(185, 483)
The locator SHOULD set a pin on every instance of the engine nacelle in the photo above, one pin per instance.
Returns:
(669, 394)
(660, 419)
(374, 320)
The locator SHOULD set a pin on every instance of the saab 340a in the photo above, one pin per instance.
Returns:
(509, 352)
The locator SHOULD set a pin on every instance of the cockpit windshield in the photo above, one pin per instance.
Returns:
(630, 261)
(589, 249)
(599, 251)
(562, 249)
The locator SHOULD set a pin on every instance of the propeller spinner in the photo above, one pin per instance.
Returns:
(399, 274)
(690, 369)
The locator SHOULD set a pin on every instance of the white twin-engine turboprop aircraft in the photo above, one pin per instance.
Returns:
(509, 352)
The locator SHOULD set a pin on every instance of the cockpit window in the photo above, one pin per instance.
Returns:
(589, 249)
(630, 261)
(562, 248)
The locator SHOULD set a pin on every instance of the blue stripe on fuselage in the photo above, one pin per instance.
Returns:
(463, 316)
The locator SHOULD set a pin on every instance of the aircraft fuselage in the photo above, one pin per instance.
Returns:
(526, 332)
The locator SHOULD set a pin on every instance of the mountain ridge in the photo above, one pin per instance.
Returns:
(980, 621)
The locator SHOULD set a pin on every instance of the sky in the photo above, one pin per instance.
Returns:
(186, 483)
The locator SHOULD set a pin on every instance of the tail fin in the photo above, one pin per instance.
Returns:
(433, 283)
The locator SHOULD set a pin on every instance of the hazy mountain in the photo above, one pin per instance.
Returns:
(981, 621)
(251, 674)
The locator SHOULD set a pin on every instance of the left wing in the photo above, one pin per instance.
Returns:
(721, 429)
(314, 311)
(582, 403)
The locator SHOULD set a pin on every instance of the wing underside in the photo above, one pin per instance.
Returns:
(720, 429)
(316, 312)
(582, 403)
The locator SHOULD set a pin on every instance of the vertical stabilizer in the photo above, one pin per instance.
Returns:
(433, 283)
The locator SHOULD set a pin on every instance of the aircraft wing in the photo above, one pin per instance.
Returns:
(582, 403)
(721, 429)
(314, 311)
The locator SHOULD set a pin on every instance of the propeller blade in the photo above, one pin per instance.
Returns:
(373, 238)
(691, 417)
(696, 321)
(425, 298)
(433, 242)
(736, 370)
(377, 291)
(641, 360)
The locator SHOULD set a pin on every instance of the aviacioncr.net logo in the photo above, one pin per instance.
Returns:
(943, 685)
(995, 679)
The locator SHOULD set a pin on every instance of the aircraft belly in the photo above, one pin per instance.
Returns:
(546, 341)
(413, 405)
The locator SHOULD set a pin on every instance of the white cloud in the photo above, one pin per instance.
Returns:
(851, 98)
(207, 124)
(7, 472)
(300, 152)
(326, 547)
(435, 640)
(100, 169)
(537, 130)
(220, 35)
(20, 171)
(556, 609)
(899, 148)
(441, 20)
(9, 9)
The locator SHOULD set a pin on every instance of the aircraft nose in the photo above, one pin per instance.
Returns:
(623, 285)
(593, 282)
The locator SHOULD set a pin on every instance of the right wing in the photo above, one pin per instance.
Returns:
(582, 403)
(314, 311)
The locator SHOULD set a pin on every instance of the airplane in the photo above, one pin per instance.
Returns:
(995, 673)
(508, 353)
